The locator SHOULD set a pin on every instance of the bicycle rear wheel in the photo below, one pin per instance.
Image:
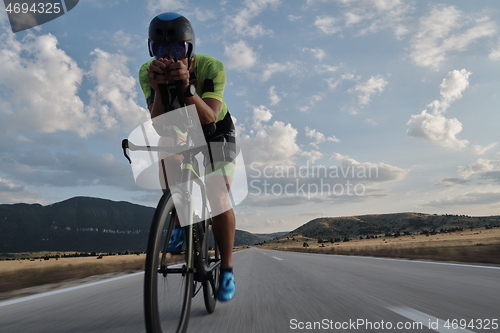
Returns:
(168, 280)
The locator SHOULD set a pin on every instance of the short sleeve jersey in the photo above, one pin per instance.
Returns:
(206, 69)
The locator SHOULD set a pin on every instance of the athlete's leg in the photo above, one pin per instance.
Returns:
(224, 227)
(224, 222)
(169, 165)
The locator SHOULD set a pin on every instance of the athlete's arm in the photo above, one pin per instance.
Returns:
(157, 74)
(208, 108)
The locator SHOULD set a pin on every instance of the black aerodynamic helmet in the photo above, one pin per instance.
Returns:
(171, 35)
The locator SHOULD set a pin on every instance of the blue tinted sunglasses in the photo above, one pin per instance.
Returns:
(169, 50)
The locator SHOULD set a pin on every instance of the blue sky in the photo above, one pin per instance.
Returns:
(405, 89)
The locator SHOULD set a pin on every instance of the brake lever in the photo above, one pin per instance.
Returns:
(125, 146)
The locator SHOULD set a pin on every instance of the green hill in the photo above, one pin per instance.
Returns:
(389, 224)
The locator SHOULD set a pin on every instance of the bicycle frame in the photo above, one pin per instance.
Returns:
(189, 175)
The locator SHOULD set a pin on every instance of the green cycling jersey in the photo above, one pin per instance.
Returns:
(209, 77)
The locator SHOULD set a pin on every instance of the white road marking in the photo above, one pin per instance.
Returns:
(55, 292)
(404, 260)
(277, 258)
(428, 321)
(435, 263)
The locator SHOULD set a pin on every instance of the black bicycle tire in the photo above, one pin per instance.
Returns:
(151, 310)
(210, 294)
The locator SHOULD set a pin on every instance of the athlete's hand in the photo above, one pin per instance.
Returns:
(178, 71)
(158, 73)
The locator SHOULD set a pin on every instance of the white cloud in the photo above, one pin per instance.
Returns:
(467, 199)
(11, 192)
(115, 95)
(495, 53)
(204, 14)
(42, 84)
(320, 69)
(333, 83)
(317, 53)
(240, 56)
(481, 150)
(125, 41)
(438, 35)
(380, 172)
(318, 136)
(351, 18)
(276, 67)
(437, 129)
(312, 100)
(374, 15)
(4, 19)
(351, 109)
(480, 166)
(316, 98)
(326, 24)
(273, 96)
(452, 182)
(261, 114)
(37, 165)
(312, 155)
(240, 24)
(491, 176)
(159, 6)
(452, 87)
(269, 144)
(39, 87)
(368, 88)
(454, 84)
(6, 185)
(294, 18)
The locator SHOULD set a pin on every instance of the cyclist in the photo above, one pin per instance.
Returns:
(171, 42)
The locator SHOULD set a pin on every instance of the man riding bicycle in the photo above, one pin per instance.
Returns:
(201, 79)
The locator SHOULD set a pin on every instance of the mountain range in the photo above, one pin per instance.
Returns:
(83, 224)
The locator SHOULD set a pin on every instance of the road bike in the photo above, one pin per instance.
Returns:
(168, 288)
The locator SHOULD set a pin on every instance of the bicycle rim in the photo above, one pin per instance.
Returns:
(167, 296)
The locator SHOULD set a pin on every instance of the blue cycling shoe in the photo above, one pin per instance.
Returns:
(226, 285)
(176, 240)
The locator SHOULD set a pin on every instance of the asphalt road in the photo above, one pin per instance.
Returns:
(288, 292)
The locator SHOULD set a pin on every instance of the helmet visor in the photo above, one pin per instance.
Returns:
(176, 50)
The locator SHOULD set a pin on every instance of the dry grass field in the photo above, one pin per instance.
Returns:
(18, 274)
(16, 265)
(479, 245)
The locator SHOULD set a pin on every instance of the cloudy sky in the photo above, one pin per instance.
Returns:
(343, 107)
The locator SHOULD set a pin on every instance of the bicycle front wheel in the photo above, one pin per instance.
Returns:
(211, 266)
(168, 284)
